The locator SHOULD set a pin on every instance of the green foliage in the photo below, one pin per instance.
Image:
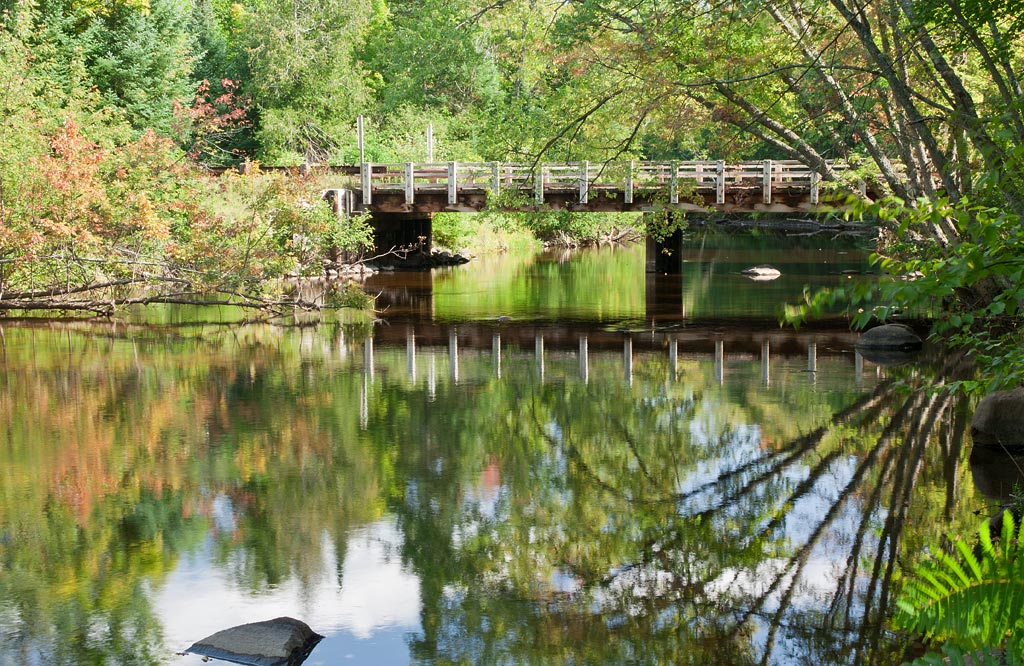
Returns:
(428, 54)
(971, 289)
(303, 79)
(137, 56)
(951, 655)
(976, 603)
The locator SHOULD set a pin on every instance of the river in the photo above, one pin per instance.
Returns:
(543, 459)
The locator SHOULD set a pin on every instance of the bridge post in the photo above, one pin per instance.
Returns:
(453, 183)
(628, 188)
(720, 182)
(495, 180)
(538, 185)
(584, 185)
(409, 185)
(766, 181)
(815, 179)
(673, 184)
(366, 175)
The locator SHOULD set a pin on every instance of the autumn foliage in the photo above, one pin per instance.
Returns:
(92, 224)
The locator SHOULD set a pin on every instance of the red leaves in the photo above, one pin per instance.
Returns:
(207, 126)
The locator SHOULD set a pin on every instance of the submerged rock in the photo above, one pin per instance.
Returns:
(283, 641)
(999, 421)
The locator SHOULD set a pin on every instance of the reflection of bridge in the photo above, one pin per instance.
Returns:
(402, 198)
(435, 352)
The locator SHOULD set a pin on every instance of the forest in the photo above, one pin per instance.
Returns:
(115, 112)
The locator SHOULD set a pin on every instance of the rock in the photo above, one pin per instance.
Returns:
(999, 421)
(283, 641)
(889, 344)
(889, 337)
(761, 273)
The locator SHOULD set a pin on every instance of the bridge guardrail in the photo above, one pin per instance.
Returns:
(674, 178)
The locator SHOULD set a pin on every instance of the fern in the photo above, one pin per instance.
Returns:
(973, 603)
(954, 656)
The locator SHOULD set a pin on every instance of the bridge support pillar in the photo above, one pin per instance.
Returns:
(405, 233)
(665, 255)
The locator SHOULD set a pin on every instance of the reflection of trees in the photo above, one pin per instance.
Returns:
(624, 532)
(652, 522)
(711, 262)
(116, 455)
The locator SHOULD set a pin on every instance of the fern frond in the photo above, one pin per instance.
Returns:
(975, 603)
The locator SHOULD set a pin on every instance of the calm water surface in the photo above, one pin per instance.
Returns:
(532, 460)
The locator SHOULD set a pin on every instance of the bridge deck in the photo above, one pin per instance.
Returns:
(700, 186)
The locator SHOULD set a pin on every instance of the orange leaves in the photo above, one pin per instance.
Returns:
(70, 203)
(208, 126)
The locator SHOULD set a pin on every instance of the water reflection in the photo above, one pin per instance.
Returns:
(483, 490)
(610, 285)
(635, 497)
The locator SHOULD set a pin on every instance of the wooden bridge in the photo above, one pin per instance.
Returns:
(768, 186)
(403, 197)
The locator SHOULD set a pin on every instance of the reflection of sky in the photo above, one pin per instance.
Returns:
(812, 584)
(364, 619)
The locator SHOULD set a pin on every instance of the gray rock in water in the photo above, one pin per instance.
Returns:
(283, 641)
(999, 421)
(889, 337)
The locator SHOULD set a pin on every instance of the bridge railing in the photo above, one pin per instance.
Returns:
(674, 180)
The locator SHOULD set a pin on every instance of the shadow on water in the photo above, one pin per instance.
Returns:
(459, 489)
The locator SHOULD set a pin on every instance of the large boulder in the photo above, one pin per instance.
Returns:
(890, 337)
(283, 641)
(889, 344)
(999, 421)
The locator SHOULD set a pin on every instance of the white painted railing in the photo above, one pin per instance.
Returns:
(676, 180)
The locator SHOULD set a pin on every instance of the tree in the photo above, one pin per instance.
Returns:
(816, 79)
(136, 55)
(304, 82)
